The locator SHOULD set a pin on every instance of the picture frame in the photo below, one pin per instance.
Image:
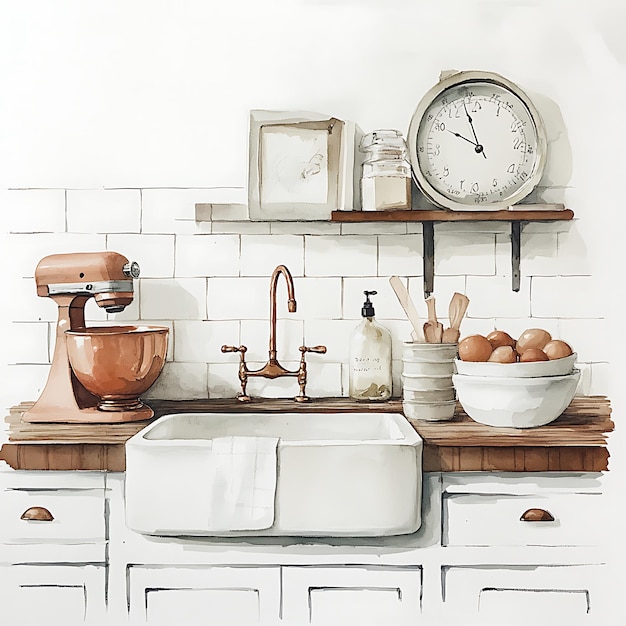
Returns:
(302, 166)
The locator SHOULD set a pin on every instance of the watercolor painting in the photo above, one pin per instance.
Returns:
(236, 388)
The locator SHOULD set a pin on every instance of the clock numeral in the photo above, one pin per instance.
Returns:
(475, 188)
(495, 182)
(457, 113)
(437, 150)
(517, 125)
(439, 126)
(461, 184)
(477, 107)
(511, 168)
(446, 171)
(519, 144)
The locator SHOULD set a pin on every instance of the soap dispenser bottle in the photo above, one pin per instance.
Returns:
(370, 357)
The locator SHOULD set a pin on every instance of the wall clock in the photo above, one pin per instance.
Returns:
(476, 143)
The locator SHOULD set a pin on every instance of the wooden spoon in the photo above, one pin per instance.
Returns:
(409, 308)
(433, 329)
(456, 311)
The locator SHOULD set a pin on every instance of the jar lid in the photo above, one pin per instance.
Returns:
(385, 139)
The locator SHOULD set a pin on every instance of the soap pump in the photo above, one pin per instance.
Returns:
(370, 357)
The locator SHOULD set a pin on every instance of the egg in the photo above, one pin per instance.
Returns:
(532, 338)
(503, 354)
(474, 348)
(557, 349)
(533, 354)
(499, 338)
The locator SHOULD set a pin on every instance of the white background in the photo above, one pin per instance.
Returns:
(140, 94)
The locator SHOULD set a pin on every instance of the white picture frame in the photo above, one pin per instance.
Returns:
(302, 166)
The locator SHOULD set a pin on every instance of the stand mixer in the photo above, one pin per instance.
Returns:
(97, 373)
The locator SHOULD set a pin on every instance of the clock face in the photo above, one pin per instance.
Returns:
(476, 145)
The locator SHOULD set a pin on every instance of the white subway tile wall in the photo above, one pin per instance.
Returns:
(209, 282)
(34, 210)
(103, 210)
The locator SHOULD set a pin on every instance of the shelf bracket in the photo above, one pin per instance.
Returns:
(516, 248)
(428, 238)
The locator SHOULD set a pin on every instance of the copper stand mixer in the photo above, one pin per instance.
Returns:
(97, 373)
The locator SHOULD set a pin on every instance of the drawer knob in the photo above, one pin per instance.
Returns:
(37, 513)
(536, 515)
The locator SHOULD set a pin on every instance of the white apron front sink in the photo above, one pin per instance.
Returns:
(298, 474)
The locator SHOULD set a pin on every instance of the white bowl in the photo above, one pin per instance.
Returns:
(421, 351)
(426, 383)
(427, 368)
(429, 395)
(429, 411)
(558, 367)
(515, 402)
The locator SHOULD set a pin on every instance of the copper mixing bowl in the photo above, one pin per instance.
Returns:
(117, 363)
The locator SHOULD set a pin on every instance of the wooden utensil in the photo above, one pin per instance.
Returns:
(433, 329)
(409, 308)
(456, 311)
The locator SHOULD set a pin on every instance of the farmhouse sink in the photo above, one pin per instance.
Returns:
(312, 474)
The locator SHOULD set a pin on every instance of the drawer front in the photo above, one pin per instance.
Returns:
(78, 516)
(521, 595)
(479, 519)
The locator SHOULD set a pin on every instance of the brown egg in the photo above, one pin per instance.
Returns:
(557, 349)
(503, 354)
(532, 338)
(499, 338)
(533, 354)
(474, 348)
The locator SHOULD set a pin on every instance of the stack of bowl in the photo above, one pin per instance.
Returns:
(516, 395)
(427, 389)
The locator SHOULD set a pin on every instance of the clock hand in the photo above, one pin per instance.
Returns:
(479, 148)
(461, 137)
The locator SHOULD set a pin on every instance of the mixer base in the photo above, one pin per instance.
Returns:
(89, 415)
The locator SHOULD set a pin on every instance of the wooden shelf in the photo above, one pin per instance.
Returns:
(451, 216)
(429, 218)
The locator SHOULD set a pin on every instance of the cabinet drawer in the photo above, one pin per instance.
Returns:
(522, 595)
(487, 519)
(372, 596)
(78, 516)
(34, 595)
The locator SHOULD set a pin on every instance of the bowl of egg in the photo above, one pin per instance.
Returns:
(518, 383)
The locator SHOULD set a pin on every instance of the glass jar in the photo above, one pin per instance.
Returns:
(386, 176)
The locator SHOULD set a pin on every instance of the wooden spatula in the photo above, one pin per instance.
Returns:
(409, 308)
(433, 328)
(456, 311)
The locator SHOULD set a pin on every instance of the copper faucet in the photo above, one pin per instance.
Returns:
(273, 369)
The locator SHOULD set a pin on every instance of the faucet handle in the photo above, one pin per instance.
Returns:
(317, 349)
(302, 374)
(241, 349)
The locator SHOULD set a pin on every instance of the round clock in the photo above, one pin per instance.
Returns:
(476, 143)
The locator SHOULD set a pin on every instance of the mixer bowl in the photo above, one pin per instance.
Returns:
(117, 363)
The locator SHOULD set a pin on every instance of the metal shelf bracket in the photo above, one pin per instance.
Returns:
(428, 238)
(516, 253)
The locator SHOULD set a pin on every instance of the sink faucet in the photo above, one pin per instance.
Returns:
(273, 369)
(291, 306)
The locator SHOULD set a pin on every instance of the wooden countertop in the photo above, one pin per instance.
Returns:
(576, 441)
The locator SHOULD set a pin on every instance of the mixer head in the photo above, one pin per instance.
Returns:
(105, 276)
